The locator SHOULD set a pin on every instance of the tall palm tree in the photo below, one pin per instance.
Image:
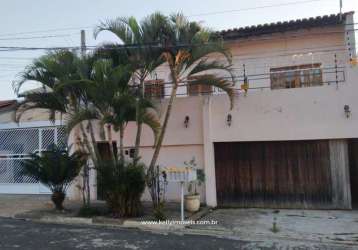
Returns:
(145, 59)
(187, 47)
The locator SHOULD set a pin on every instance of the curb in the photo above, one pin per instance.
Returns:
(110, 222)
(66, 220)
(107, 223)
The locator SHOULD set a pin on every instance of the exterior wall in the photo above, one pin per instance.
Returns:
(288, 114)
(7, 116)
(260, 54)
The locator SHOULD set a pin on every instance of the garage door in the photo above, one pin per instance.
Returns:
(289, 174)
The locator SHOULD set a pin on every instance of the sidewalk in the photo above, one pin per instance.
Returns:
(40, 208)
(329, 226)
(252, 225)
(11, 204)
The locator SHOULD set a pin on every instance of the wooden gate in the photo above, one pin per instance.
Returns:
(353, 167)
(288, 174)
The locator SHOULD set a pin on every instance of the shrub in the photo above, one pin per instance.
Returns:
(159, 212)
(123, 185)
(88, 212)
(55, 169)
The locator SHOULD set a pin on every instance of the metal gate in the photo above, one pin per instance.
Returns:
(16, 145)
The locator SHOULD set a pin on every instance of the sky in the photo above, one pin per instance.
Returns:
(53, 23)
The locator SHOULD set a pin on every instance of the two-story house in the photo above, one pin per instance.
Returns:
(290, 140)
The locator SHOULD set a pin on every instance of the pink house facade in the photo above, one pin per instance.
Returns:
(290, 140)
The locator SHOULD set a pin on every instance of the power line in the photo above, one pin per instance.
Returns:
(328, 50)
(254, 8)
(16, 58)
(134, 46)
(43, 31)
(34, 37)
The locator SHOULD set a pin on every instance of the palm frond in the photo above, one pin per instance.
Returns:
(55, 168)
(38, 100)
(152, 120)
(218, 82)
(80, 116)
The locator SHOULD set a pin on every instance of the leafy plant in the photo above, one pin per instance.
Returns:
(123, 185)
(159, 212)
(87, 211)
(200, 177)
(56, 169)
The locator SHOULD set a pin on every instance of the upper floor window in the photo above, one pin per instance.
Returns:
(154, 88)
(198, 89)
(296, 76)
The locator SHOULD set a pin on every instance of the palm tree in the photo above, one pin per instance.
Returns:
(50, 71)
(111, 101)
(187, 47)
(145, 59)
(55, 169)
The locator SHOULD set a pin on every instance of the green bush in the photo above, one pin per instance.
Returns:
(89, 212)
(123, 185)
(56, 169)
(159, 212)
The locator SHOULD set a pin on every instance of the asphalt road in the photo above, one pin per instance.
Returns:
(18, 234)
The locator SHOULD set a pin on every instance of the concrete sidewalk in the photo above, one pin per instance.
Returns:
(11, 204)
(293, 226)
(328, 226)
(40, 208)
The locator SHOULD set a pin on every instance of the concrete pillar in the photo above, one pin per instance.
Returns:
(209, 158)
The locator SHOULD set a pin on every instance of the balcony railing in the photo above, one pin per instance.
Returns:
(330, 75)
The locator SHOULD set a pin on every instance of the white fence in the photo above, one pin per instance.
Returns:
(16, 145)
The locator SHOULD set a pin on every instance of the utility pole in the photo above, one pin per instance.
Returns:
(340, 9)
(83, 43)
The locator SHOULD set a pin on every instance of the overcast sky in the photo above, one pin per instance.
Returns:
(21, 21)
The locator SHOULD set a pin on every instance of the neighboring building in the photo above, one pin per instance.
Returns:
(291, 140)
(17, 141)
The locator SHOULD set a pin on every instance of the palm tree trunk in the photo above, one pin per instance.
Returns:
(121, 145)
(164, 127)
(93, 142)
(139, 123)
(110, 141)
(137, 141)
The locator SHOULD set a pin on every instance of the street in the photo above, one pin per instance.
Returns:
(19, 234)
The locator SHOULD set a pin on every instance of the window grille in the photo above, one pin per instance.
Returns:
(18, 144)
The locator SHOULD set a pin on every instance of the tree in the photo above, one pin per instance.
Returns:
(111, 101)
(50, 71)
(145, 59)
(187, 47)
(55, 169)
